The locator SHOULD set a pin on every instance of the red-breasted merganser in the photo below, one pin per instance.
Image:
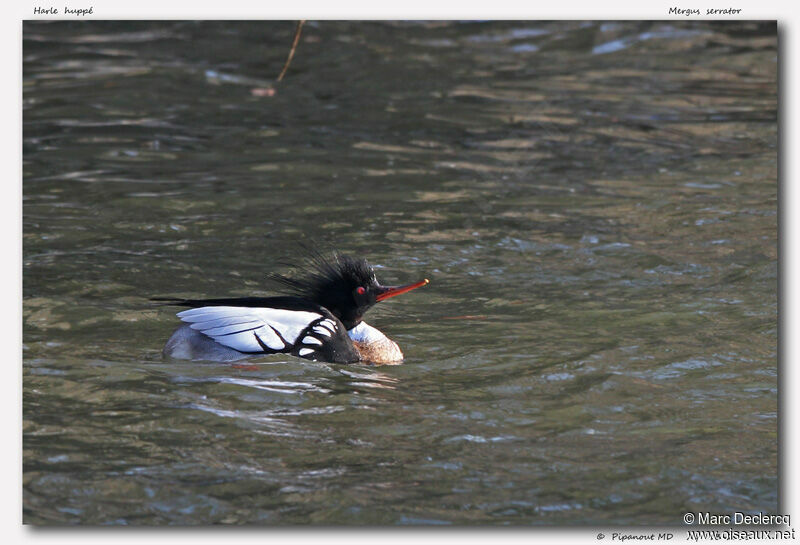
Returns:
(320, 321)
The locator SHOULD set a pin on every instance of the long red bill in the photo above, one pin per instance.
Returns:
(391, 291)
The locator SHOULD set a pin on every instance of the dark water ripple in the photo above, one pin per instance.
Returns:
(594, 203)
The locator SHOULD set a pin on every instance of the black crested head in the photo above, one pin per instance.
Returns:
(344, 285)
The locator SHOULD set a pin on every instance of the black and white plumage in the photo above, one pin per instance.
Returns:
(321, 321)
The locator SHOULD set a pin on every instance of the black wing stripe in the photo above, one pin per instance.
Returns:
(284, 341)
(261, 343)
(259, 326)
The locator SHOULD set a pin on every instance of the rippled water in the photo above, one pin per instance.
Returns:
(594, 203)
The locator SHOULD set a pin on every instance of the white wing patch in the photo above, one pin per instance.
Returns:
(305, 351)
(312, 340)
(241, 328)
(329, 324)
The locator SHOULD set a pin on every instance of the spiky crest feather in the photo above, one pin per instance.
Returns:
(330, 282)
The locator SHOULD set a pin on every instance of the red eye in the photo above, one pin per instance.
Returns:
(360, 290)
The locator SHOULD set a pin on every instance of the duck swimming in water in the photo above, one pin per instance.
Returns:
(322, 319)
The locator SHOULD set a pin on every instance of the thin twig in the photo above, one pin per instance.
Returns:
(297, 32)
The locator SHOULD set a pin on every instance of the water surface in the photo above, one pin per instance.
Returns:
(595, 204)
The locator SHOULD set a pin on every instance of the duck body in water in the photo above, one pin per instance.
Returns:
(321, 321)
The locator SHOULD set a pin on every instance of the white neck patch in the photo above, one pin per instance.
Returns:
(365, 333)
